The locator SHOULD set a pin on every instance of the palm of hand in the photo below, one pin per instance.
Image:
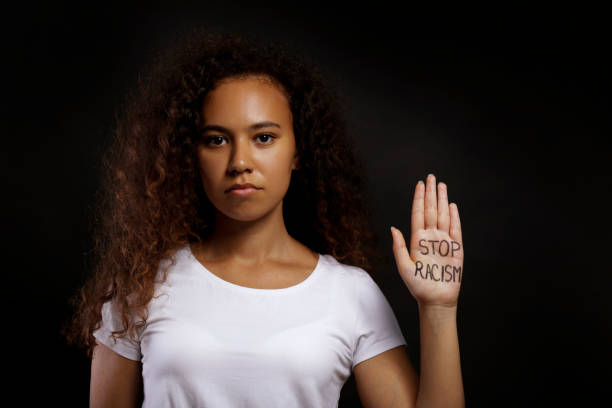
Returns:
(433, 269)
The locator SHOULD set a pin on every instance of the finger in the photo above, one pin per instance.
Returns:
(417, 208)
(400, 250)
(455, 225)
(443, 211)
(431, 207)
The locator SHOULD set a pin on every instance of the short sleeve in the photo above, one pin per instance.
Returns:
(111, 321)
(377, 329)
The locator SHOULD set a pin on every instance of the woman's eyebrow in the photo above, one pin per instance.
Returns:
(252, 127)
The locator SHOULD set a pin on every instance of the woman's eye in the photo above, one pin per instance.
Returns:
(267, 136)
(213, 138)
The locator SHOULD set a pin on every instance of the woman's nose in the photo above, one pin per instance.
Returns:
(240, 157)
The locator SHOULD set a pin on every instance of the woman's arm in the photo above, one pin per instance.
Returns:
(440, 383)
(116, 381)
(433, 272)
(389, 379)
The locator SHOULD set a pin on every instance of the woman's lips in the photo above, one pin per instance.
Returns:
(241, 192)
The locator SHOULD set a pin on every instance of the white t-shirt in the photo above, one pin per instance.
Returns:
(212, 343)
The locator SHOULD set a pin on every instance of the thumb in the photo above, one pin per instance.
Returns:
(400, 251)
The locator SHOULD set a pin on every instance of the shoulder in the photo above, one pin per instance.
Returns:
(351, 276)
(360, 287)
(348, 270)
(179, 260)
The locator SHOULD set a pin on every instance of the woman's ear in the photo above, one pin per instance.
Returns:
(296, 163)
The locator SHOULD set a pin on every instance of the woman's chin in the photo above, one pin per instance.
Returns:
(244, 216)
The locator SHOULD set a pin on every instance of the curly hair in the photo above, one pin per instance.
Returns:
(151, 201)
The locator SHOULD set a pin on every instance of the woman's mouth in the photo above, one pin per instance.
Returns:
(241, 192)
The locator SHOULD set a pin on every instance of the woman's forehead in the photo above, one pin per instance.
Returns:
(249, 99)
(253, 79)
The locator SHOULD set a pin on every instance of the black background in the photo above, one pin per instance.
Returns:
(514, 120)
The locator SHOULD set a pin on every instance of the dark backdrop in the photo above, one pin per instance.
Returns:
(514, 121)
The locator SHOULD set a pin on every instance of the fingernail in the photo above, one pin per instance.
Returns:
(431, 174)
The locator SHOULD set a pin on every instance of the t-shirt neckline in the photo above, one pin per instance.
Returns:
(306, 282)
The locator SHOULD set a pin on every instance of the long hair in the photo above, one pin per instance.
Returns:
(151, 201)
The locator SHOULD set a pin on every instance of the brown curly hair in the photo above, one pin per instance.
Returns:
(151, 200)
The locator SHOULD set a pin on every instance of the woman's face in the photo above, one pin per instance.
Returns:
(247, 137)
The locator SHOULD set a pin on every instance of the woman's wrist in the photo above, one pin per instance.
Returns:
(437, 312)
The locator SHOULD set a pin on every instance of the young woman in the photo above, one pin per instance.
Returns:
(233, 243)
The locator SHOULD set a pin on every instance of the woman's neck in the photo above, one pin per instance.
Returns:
(250, 242)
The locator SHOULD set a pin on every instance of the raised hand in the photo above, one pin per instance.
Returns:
(433, 269)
